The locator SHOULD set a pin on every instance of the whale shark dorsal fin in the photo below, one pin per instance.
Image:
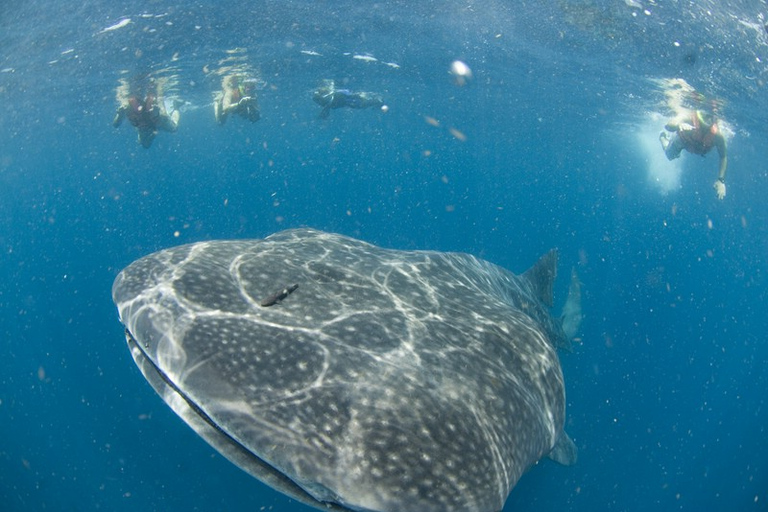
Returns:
(542, 277)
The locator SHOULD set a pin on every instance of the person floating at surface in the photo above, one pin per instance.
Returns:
(328, 97)
(697, 133)
(237, 96)
(147, 115)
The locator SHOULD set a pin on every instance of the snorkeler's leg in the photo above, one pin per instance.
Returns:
(664, 139)
(146, 136)
(168, 123)
(119, 115)
(371, 99)
(363, 100)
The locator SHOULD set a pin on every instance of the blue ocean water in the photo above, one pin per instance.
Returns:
(551, 144)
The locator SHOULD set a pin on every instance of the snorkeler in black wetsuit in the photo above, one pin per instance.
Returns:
(329, 97)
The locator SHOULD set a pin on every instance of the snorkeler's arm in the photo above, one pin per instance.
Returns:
(719, 184)
(226, 101)
(679, 123)
(723, 152)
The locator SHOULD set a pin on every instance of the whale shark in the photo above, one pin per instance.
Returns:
(352, 377)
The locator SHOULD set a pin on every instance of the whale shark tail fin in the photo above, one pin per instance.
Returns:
(564, 451)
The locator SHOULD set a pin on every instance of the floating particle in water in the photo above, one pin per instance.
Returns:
(462, 75)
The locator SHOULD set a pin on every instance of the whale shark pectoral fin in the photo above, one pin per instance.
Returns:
(542, 277)
(572, 316)
(564, 451)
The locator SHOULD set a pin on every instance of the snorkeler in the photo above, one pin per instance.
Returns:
(147, 115)
(237, 96)
(697, 133)
(328, 97)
